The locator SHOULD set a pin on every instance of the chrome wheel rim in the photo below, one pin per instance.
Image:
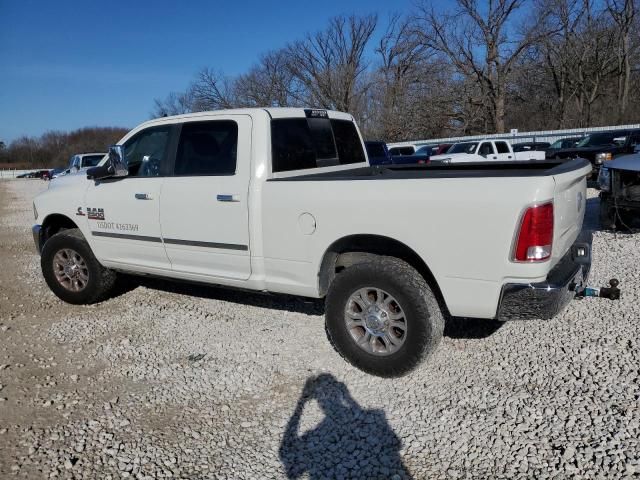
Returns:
(376, 321)
(71, 270)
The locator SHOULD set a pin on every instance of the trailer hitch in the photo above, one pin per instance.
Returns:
(612, 292)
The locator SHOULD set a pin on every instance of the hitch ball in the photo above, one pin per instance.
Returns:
(612, 292)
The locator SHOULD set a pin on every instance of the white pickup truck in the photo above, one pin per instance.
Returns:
(485, 151)
(284, 200)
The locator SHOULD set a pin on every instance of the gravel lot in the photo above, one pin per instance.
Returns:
(168, 381)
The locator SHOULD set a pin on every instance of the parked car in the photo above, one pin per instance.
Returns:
(82, 161)
(528, 146)
(483, 151)
(619, 184)
(283, 200)
(601, 147)
(402, 150)
(440, 149)
(378, 153)
(569, 142)
(56, 172)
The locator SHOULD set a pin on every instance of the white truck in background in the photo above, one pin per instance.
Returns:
(485, 151)
(284, 200)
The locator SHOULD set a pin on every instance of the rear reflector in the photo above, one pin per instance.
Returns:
(535, 237)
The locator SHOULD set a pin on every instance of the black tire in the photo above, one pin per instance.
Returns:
(423, 317)
(100, 280)
(607, 214)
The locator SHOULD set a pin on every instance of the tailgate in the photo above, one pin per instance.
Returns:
(570, 201)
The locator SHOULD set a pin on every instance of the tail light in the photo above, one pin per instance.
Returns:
(535, 237)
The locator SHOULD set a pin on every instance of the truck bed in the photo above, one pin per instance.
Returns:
(535, 168)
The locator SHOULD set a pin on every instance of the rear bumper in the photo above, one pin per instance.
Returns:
(37, 237)
(544, 300)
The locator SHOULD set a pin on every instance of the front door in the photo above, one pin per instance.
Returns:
(487, 151)
(204, 206)
(123, 213)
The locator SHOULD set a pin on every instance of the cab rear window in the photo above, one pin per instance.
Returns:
(305, 143)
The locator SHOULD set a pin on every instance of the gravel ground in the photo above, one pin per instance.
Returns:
(166, 381)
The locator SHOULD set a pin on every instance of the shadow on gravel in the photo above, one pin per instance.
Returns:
(456, 327)
(349, 442)
(255, 299)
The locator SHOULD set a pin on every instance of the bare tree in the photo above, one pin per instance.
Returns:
(623, 13)
(330, 65)
(175, 103)
(269, 83)
(482, 45)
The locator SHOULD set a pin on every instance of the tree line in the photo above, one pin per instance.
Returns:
(54, 149)
(481, 66)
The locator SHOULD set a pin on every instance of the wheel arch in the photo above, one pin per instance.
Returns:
(354, 249)
(53, 224)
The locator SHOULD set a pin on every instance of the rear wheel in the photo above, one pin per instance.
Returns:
(382, 317)
(71, 270)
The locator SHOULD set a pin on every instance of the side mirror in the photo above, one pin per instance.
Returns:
(116, 162)
(115, 165)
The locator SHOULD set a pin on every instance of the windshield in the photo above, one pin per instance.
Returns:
(600, 139)
(557, 144)
(468, 147)
(426, 150)
(91, 160)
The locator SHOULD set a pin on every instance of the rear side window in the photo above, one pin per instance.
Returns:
(503, 148)
(305, 143)
(207, 148)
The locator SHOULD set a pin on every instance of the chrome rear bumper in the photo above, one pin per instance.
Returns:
(544, 300)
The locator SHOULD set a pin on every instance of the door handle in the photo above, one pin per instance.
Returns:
(143, 196)
(508, 156)
(227, 198)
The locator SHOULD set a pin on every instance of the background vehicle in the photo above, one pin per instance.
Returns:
(619, 183)
(560, 144)
(440, 149)
(420, 156)
(483, 151)
(56, 172)
(283, 200)
(82, 161)
(601, 147)
(404, 150)
(378, 153)
(528, 146)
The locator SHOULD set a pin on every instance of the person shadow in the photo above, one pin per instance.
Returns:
(349, 442)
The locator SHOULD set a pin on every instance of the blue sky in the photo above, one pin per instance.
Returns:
(69, 64)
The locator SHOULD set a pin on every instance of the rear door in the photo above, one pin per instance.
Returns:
(204, 205)
(503, 151)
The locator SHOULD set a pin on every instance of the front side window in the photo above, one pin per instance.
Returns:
(145, 152)
(207, 148)
(486, 149)
(504, 148)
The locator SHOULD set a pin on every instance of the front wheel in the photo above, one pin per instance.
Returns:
(72, 271)
(382, 317)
